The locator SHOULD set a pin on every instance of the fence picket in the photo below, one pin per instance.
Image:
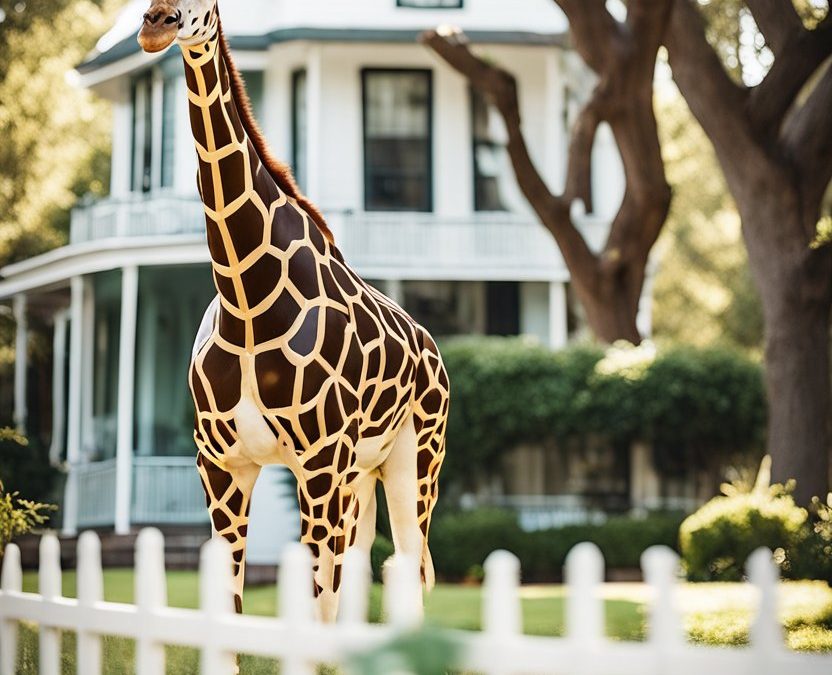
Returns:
(661, 568)
(49, 580)
(151, 596)
(90, 592)
(355, 588)
(216, 600)
(403, 592)
(766, 631)
(502, 617)
(11, 581)
(297, 603)
(584, 606)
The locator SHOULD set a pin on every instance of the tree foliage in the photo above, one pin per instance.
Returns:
(698, 407)
(56, 136)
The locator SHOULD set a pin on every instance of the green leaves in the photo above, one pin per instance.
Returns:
(693, 405)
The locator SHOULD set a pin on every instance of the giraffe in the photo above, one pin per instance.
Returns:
(298, 361)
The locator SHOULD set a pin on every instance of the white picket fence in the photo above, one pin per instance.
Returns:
(299, 642)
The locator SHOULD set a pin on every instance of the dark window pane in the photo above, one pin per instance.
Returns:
(503, 307)
(397, 140)
(142, 133)
(169, 105)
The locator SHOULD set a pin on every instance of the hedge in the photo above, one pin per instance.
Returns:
(461, 541)
(690, 404)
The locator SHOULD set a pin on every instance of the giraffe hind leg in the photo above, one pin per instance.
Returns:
(228, 495)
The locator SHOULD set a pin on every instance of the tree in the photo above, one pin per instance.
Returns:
(773, 141)
(623, 55)
(55, 135)
(703, 292)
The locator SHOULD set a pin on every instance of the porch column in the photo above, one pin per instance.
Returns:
(75, 404)
(126, 372)
(21, 361)
(394, 289)
(558, 330)
(314, 103)
(58, 388)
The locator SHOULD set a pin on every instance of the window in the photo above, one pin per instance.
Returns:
(492, 169)
(299, 129)
(254, 87)
(397, 140)
(142, 133)
(430, 4)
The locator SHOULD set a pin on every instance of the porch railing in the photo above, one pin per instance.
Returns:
(166, 490)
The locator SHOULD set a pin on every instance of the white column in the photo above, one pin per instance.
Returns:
(394, 289)
(58, 387)
(126, 371)
(314, 104)
(21, 361)
(75, 407)
(558, 331)
(122, 153)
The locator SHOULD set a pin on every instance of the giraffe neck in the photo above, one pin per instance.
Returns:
(242, 201)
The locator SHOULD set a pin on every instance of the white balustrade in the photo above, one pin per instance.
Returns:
(300, 642)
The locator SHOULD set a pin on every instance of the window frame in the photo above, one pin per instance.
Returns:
(428, 73)
(459, 4)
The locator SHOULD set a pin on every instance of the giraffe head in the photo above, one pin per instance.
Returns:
(187, 22)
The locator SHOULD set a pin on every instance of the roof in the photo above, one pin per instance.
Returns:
(256, 24)
(129, 46)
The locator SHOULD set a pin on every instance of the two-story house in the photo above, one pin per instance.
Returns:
(407, 163)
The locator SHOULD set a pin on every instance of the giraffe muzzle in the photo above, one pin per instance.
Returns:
(160, 27)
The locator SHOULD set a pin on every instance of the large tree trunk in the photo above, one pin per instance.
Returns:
(795, 284)
(775, 149)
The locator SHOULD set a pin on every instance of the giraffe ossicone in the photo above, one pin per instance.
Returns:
(298, 361)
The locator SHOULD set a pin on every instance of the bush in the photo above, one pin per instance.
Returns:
(717, 540)
(382, 549)
(696, 406)
(461, 541)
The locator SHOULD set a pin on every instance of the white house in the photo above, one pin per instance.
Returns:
(408, 165)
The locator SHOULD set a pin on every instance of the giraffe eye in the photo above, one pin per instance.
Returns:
(170, 20)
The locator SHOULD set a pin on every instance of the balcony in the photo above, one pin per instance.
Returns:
(497, 246)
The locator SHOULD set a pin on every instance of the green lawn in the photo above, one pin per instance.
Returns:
(714, 614)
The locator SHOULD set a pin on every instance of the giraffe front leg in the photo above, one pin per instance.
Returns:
(328, 528)
(228, 495)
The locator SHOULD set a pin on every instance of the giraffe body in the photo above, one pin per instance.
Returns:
(298, 361)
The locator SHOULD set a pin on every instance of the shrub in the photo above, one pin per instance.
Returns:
(696, 406)
(382, 549)
(461, 541)
(19, 516)
(717, 540)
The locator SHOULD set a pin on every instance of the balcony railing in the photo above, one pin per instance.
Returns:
(419, 245)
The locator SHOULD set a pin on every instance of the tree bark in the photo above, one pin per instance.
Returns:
(608, 284)
(776, 154)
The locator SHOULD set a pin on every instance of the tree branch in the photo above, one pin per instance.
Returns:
(807, 138)
(594, 32)
(501, 88)
(777, 20)
(715, 100)
(800, 55)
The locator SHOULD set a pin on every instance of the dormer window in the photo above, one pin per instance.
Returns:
(430, 4)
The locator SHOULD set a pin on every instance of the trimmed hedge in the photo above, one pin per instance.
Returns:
(692, 405)
(461, 541)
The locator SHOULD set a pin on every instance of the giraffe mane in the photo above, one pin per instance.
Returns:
(279, 171)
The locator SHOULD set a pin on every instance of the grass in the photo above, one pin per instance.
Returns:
(713, 614)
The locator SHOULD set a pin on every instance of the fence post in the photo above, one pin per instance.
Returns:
(403, 592)
(151, 596)
(49, 586)
(355, 588)
(90, 592)
(216, 598)
(10, 582)
(584, 607)
(297, 603)
(502, 615)
(766, 631)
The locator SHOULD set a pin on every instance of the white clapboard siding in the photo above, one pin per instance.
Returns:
(300, 642)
